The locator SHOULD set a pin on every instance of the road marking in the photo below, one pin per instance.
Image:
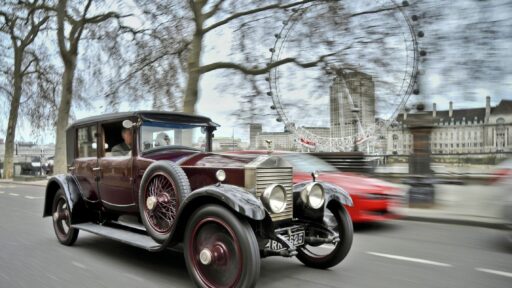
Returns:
(78, 264)
(2, 192)
(134, 277)
(53, 277)
(501, 273)
(32, 197)
(14, 194)
(417, 260)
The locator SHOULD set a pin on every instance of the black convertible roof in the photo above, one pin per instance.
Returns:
(160, 116)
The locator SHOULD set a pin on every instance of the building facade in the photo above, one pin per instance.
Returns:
(459, 131)
(352, 96)
(254, 130)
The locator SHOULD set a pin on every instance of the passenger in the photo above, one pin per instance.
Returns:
(122, 149)
(162, 139)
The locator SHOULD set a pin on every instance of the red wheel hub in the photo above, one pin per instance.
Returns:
(215, 253)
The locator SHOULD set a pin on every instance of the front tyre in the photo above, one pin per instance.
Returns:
(61, 216)
(327, 256)
(220, 249)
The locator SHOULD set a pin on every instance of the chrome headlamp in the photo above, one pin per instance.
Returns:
(274, 198)
(313, 195)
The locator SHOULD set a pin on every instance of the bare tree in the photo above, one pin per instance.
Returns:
(22, 26)
(196, 22)
(191, 22)
(73, 20)
(468, 48)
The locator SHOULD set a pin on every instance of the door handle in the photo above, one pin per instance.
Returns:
(71, 168)
(96, 168)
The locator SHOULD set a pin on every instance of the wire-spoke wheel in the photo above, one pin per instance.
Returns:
(328, 255)
(61, 216)
(220, 249)
(161, 203)
(162, 189)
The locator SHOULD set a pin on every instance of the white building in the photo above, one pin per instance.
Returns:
(459, 131)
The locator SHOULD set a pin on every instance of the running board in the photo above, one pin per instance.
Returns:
(119, 234)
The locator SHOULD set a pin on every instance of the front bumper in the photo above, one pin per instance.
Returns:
(370, 210)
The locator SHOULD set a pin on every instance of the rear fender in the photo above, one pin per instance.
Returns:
(70, 187)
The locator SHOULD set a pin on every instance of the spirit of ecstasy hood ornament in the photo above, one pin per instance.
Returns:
(269, 146)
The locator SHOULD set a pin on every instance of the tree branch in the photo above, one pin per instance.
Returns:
(374, 11)
(258, 71)
(61, 14)
(33, 60)
(74, 39)
(34, 30)
(214, 10)
(254, 11)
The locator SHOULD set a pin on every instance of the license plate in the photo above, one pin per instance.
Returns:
(296, 238)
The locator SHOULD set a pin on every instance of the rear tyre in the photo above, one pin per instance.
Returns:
(163, 188)
(221, 250)
(322, 258)
(61, 216)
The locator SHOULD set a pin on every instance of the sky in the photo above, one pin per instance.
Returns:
(439, 83)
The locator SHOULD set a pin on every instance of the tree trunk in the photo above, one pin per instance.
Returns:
(194, 61)
(13, 115)
(60, 165)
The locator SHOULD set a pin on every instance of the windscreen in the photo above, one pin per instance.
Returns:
(173, 135)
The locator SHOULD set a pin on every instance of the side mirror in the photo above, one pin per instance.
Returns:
(127, 124)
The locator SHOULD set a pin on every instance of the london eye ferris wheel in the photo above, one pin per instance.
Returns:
(369, 70)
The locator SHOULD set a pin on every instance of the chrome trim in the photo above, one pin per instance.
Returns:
(117, 205)
(282, 176)
(265, 171)
(267, 194)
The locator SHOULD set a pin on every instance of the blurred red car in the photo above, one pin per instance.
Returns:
(374, 199)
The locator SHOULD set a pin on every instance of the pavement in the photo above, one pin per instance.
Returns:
(393, 254)
(473, 205)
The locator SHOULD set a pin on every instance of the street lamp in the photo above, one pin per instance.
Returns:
(355, 111)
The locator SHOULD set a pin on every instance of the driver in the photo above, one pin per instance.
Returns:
(123, 148)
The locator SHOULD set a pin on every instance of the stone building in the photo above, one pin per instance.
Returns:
(228, 144)
(254, 130)
(459, 131)
(354, 97)
(280, 141)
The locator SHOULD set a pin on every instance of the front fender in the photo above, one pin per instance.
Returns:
(336, 193)
(74, 198)
(235, 197)
(333, 193)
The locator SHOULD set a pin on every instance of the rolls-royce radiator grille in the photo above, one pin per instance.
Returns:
(282, 176)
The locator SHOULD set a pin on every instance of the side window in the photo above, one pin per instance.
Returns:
(118, 141)
(87, 141)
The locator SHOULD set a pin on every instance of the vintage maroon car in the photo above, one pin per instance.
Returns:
(374, 200)
(149, 179)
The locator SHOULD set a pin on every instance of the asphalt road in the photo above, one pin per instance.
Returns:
(394, 254)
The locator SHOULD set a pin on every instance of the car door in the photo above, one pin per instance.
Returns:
(116, 172)
(85, 165)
